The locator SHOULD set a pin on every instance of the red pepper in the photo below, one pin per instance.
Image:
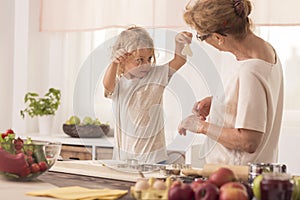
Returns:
(13, 163)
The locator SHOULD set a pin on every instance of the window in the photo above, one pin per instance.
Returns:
(285, 39)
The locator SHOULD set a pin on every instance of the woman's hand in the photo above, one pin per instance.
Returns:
(202, 108)
(192, 123)
(182, 39)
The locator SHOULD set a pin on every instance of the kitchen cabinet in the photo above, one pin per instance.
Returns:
(79, 148)
(76, 152)
(104, 153)
(79, 152)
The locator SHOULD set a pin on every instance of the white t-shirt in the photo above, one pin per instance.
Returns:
(138, 109)
(253, 100)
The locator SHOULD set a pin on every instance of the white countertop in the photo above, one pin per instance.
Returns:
(16, 190)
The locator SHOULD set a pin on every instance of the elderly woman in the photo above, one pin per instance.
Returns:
(243, 125)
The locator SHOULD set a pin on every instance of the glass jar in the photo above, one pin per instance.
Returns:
(276, 186)
(256, 169)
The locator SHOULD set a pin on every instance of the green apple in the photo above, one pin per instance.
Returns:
(74, 120)
(296, 188)
(87, 121)
(256, 186)
(97, 122)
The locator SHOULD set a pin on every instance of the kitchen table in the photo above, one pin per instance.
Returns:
(63, 179)
(11, 190)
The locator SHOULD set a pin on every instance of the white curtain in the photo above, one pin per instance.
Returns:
(276, 12)
(34, 61)
(78, 15)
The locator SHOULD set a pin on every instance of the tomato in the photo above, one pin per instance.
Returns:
(25, 172)
(29, 152)
(35, 168)
(3, 135)
(18, 143)
(10, 131)
(43, 166)
(29, 160)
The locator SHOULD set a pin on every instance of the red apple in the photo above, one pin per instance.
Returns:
(207, 191)
(233, 191)
(180, 191)
(237, 185)
(249, 190)
(222, 176)
(196, 183)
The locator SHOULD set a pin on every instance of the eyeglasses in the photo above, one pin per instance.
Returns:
(204, 37)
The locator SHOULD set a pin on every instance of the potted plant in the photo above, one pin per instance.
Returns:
(42, 107)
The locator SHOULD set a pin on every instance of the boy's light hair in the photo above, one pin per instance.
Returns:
(133, 39)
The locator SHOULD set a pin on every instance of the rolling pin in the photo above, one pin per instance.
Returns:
(241, 171)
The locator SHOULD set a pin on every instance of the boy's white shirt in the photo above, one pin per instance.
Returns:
(138, 110)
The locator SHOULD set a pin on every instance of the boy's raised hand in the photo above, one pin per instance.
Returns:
(120, 56)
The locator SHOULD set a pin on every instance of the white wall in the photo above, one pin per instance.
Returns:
(6, 61)
(289, 146)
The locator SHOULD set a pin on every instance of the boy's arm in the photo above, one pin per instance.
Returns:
(109, 79)
(181, 40)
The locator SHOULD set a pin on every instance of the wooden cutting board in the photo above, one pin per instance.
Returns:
(240, 171)
(96, 169)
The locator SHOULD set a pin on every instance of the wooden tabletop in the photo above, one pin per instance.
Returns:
(63, 179)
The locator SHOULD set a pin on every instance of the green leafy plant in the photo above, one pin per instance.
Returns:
(40, 106)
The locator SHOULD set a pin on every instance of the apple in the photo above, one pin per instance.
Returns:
(206, 191)
(87, 121)
(237, 185)
(296, 188)
(196, 183)
(180, 191)
(256, 186)
(233, 193)
(222, 176)
(74, 120)
(97, 122)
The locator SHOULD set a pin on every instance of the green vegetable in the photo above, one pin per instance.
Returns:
(38, 153)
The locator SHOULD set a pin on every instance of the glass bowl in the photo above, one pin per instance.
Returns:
(24, 162)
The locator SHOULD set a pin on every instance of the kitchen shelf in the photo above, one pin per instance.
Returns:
(81, 147)
(95, 148)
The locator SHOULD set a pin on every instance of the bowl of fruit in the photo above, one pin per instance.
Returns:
(85, 128)
(26, 159)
